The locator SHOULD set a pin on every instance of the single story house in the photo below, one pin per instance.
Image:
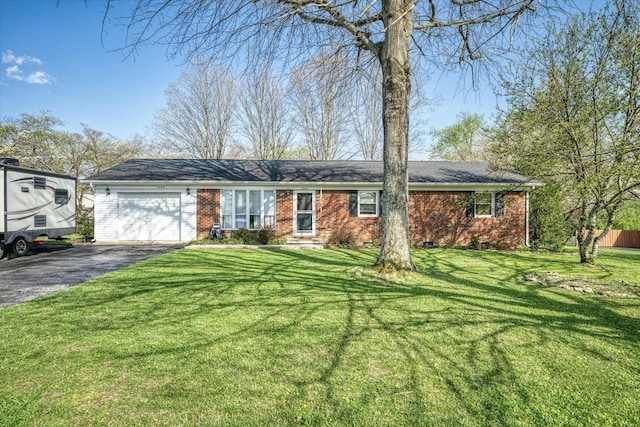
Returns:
(180, 200)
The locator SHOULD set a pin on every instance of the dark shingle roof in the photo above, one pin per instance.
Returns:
(300, 171)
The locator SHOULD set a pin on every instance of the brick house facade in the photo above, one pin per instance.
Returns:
(435, 217)
(449, 202)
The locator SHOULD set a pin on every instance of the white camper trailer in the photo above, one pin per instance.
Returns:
(34, 203)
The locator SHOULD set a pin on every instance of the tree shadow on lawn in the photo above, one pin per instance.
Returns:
(549, 315)
(449, 329)
(570, 309)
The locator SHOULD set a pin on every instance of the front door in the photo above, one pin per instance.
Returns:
(304, 213)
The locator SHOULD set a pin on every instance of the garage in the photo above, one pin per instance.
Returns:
(148, 216)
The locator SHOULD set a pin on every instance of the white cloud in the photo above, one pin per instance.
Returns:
(14, 72)
(8, 57)
(39, 78)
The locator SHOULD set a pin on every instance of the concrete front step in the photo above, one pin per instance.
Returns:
(305, 243)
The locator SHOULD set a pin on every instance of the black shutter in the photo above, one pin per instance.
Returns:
(380, 203)
(499, 205)
(353, 203)
(470, 205)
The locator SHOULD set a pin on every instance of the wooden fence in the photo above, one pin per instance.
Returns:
(621, 238)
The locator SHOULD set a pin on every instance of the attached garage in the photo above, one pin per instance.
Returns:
(140, 214)
(148, 216)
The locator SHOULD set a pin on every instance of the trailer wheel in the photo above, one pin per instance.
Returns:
(1, 250)
(20, 246)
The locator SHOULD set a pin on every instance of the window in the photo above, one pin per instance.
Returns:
(485, 205)
(241, 209)
(61, 196)
(252, 209)
(255, 209)
(269, 199)
(367, 203)
(364, 203)
(226, 208)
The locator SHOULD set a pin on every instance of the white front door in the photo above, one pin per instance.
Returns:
(304, 213)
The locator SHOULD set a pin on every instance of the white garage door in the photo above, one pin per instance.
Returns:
(148, 216)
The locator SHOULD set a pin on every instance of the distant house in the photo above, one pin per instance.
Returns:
(179, 200)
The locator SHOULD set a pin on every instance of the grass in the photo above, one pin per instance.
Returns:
(257, 337)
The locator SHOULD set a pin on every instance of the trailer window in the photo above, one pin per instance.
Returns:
(40, 183)
(62, 196)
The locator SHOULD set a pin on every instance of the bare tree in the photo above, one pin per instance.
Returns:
(102, 151)
(265, 121)
(92, 151)
(381, 30)
(367, 124)
(199, 113)
(322, 94)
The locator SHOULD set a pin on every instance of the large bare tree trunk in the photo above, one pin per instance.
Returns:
(395, 251)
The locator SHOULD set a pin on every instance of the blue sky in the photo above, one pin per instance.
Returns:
(53, 59)
(56, 58)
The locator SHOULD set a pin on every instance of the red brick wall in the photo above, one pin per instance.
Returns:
(434, 216)
(440, 217)
(333, 219)
(284, 213)
(208, 211)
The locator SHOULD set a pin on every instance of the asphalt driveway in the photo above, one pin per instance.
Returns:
(51, 269)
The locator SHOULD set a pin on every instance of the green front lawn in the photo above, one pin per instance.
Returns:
(257, 337)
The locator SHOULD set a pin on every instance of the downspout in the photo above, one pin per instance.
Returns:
(4, 205)
(526, 219)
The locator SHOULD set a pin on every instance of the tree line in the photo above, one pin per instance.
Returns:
(212, 112)
(37, 141)
(572, 122)
(324, 111)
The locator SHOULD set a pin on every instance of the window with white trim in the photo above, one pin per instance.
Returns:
(241, 209)
(226, 209)
(251, 209)
(485, 205)
(269, 204)
(368, 203)
(365, 203)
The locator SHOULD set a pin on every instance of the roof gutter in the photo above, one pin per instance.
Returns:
(309, 184)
